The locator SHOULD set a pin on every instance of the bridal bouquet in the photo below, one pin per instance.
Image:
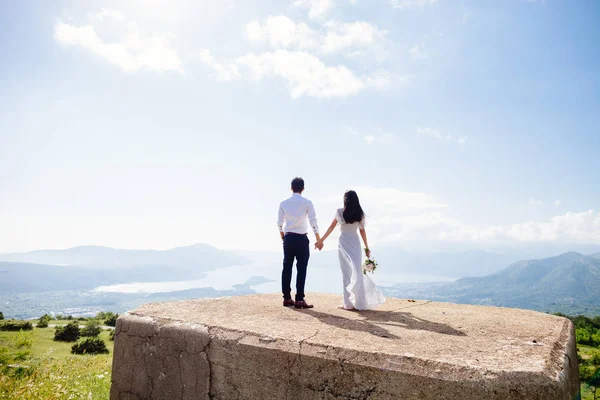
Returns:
(370, 265)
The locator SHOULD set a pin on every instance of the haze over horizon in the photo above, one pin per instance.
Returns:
(157, 124)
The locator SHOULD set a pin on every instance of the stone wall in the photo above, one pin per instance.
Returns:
(253, 348)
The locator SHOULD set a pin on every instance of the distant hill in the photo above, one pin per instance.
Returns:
(26, 278)
(200, 256)
(568, 283)
(87, 267)
(448, 264)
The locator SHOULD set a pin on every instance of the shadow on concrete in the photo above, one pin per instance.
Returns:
(407, 320)
(372, 322)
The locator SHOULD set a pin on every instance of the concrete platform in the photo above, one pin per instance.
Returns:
(253, 348)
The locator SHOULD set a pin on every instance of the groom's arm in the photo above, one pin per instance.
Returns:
(280, 220)
(312, 219)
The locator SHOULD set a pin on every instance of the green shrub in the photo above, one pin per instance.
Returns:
(583, 336)
(90, 346)
(1, 315)
(110, 319)
(585, 373)
(92, 328)
(67, 333)
(43, 321)
(595, 360)
(111, 335)
(15, 326)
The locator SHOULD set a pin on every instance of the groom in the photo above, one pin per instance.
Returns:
(295, 211)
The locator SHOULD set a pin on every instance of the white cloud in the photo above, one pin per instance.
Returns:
(394, 215)
(100, 16)
(224, 72)
(369, 139)
(558, 203)
(296, 51)
(131, 53)
(535, 202)
(282, 32)
(435, 134)
(582, 227)
(417, 52)
(305, 74)
(317, 8)
(391, 200)
(409, 4)
(341, 36)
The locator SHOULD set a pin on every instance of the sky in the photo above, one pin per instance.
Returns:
(154, 124)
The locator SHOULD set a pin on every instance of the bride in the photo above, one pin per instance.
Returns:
(360, 292)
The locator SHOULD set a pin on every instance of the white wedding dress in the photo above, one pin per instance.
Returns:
(359, 290)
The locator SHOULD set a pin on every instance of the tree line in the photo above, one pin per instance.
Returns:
(587, 333)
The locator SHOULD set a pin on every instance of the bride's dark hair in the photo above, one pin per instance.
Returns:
(353, 212)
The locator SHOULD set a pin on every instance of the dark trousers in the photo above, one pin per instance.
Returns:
(295, 246)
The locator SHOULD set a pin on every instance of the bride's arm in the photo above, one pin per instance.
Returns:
(329, 230)
(363, 234)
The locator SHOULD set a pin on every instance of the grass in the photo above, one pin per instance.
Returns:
(586, 353)
(45, 369)
(43, 343)
(74, 377)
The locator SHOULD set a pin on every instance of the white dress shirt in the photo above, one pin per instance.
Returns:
(294, 212)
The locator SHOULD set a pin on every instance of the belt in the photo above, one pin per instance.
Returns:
(296, 234)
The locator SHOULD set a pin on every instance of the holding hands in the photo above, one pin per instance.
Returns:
(319, 244)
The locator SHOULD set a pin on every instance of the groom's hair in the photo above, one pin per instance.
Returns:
(297, 185)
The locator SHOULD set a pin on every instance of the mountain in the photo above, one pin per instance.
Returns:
(26, 278)
(86, 267)
(199, 256)
(568, 283)
(30, 278)
(446, 264)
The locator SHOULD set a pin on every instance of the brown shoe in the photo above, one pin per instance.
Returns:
(303, 304)
(289, 303)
